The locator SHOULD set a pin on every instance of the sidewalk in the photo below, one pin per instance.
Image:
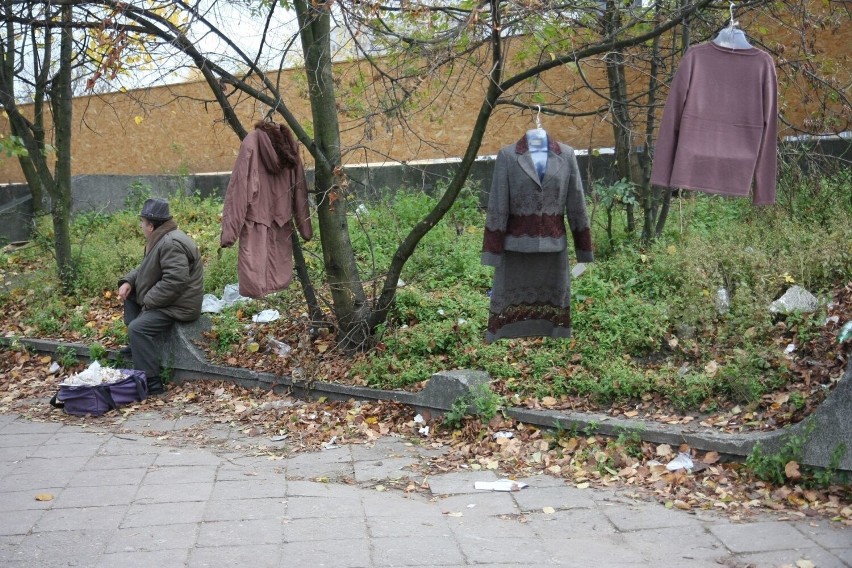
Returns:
(129, 500)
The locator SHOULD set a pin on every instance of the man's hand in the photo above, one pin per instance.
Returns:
(124, 291)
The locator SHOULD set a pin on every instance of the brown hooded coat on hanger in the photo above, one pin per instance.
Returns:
(267, 192)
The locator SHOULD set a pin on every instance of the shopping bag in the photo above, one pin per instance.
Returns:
(99, 399)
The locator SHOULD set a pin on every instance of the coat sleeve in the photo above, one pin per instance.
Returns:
(575, 210)
(175, 270)
(497, 215)
(130, 278)
(669, 131)
(238, 192)
(301, 206)
(766, 170)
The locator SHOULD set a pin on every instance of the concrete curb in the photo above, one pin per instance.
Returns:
(826, 430)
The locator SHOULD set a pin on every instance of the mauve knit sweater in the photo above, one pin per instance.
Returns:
(719, 127)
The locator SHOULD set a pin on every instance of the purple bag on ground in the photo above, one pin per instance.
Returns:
(100, 399)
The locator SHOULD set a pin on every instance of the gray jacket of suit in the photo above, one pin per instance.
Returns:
(526, 214)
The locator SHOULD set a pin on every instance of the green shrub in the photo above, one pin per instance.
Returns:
(628, 308)
(772, 466)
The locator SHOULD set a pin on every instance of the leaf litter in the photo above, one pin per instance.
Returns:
(277, 426)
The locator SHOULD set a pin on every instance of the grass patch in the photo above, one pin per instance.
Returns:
(645, 319)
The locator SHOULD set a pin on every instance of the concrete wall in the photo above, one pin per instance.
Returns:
(109, 193)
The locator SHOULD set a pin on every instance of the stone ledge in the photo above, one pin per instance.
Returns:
(831, 424)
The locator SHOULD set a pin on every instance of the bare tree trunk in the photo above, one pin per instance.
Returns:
(347, 290)
(655, 212)
(34, 165)
(60, 191)
(314, 310)
(33, 182)
(621, 121)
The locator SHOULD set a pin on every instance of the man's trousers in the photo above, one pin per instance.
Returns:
(143, 328)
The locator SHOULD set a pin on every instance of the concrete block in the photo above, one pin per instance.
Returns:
(444, 388)
(16, 220)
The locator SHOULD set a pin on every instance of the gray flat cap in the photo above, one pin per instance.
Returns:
(156, 209)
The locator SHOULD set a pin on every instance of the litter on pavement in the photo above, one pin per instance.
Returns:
(500, 485)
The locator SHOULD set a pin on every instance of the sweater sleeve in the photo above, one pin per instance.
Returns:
(578, 219)
(767, 159)
(237, 194)
(497, 215)
(667, 134)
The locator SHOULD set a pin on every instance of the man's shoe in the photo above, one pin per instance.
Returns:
(125, 352)
(155, 386)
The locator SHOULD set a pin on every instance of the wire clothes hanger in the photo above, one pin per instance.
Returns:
(732, 37)
(537, 137)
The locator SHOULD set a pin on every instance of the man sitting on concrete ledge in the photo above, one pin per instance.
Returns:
(167, 286)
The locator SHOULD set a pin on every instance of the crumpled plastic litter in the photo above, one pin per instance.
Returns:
(500, 485)
(502, 434)
(231, 295)
(424, 430)
(682, 461)
(845, 332)
(93, 376)
(265, 316)
(281, 348)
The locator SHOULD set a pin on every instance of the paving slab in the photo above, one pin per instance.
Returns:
(774, 559)
(152, 539)
(179, 474)
(681, 546)
(459, 482)
(249, 489)
(408, 524)
(246, 509)
(343, 553)
(415, 551)
(317, 529)
(241, 533)
(175, 492)
(132, 499)
(644, 515)
(95, 496)
(391, 468)
(536, 497)
(761, 537)
(63, 548)
(170, 558)
(589, 523)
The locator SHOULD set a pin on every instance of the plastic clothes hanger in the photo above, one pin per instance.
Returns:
(732, 37)
(537, 137)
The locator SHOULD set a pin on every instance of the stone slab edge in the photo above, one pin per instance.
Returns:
(830, 422)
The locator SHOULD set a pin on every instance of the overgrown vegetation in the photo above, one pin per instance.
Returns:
(647, 327)
(481, 402)
(785, 464)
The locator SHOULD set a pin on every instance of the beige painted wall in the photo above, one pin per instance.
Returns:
(180, 129)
